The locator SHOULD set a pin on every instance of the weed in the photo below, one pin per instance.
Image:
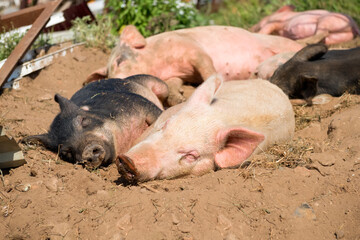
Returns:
(153, 16)
(9, 40)
(95, 34)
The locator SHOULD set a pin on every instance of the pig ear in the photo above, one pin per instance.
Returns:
(42, 139)
(132, 37)
(311, 52)
(239, 143)
(99, 74)
(206, 91)
(66, 106)
(308, 87)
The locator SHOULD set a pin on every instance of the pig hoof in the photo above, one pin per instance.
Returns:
(322, 99)
(175, 99)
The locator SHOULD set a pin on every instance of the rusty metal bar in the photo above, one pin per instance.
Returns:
(26, 41)
(20, 18)
(35, 65)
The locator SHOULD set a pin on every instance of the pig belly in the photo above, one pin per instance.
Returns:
(241, 66)
(236, 52)
(339, 37)
(299, 28)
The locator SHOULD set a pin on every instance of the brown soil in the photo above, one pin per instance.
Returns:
(306, 189)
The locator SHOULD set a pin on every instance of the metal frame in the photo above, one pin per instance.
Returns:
(25, 43)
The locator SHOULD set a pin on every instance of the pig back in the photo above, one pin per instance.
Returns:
(238, 40)
(258, 105)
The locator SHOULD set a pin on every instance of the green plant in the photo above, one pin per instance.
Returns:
(153, 16)
(8, 42)
(42, 40)
(95, 34)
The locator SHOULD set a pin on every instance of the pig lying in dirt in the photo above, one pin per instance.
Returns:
(103, 119)
(192, 55)
(314, 70)
(220, 126)
(309, 26)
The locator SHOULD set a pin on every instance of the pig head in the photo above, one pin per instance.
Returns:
(220, 126)
(103, 119)
(314, 70)
(70, 134)
(309, 27)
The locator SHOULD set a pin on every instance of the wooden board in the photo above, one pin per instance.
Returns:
(21, 18)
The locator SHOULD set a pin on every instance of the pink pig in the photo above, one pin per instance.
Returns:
(309, 26)
(220, 126)
(192, 55)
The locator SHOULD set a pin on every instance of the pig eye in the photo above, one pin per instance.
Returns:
(85, 122)
(189, 157)
(82, 121)
(165, 124)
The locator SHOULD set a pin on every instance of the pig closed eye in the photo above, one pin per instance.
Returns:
(85, 122)
(189, 157)
(82, 121)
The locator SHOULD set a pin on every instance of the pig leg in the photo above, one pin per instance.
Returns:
(298, 102)
(334, 38)
(317, 100)
(319, 37)
(99, 74)
(175, 91)
(269, 28)
(322, 99)
(202, 64)
(156, 86)
(336, 27)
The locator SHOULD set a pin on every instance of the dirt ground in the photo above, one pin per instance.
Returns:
(306, 189)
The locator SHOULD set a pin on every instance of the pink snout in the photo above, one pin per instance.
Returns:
(127, 168)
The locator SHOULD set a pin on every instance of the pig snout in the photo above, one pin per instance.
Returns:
(127, 168)
(93, 155)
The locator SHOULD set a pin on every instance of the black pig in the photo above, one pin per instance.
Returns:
(103, 119)
(314, 70)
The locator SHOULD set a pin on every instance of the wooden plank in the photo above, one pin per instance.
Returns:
(21, 18)
(26, 41)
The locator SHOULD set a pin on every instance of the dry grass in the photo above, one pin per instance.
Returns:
(305, 115)
(296, 152)
(290, 155)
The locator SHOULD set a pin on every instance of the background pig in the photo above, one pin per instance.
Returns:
(314, 70)
(192, 55)
(310, 26)
(218, 127)
(103, 119)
